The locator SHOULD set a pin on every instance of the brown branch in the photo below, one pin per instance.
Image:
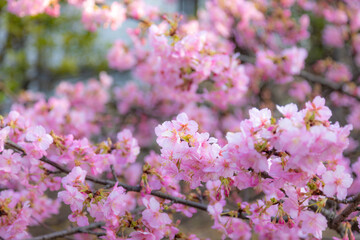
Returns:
(98, 234)
(68, 232)
(11, 145)
(47, 227)
(346, 212)
(336, 87)
(344, 201)
(113, 172)
(129, 188)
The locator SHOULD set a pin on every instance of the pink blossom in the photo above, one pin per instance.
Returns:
(142, 236)
(39, 137)
(241, 148)
(260, 118)
(112, 16)
(265, 63)
(10, 165)
(312, 223)
(152, 215)
(337, 16)
(105, 79)
(215, 210)
(75, 177)
(126, 148)
(354, 116)
(299, 90)
(317, 106)
(73, 197)
(337, 182)
(116, 16)
(167, 135)
(4, 132)
(355, 22)
(120, 57)
(116, 204)
(79, 217)
(184, 125)
(333, 36)
(27, 8)
(288, 111)
(339, 73)
(15, 228)
(141, 9)
(237, 227)
(294, 60)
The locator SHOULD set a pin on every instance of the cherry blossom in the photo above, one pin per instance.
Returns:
(152, 216)
(39, 137)
(337, 182)
(312, 223)
(3, 135)
(215, 133)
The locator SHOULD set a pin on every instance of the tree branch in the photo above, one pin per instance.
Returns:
(344, 201)
(47, 227)
(113, 172)
(334, 221)
(336, 87)
(129, 188)
(71, 231)
(346, 212)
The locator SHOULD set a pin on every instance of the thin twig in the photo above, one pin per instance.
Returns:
(98, 234)
(113, 172)
(47, 227)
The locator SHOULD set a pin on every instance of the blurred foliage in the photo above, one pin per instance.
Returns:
(41, 50)
(317, 50)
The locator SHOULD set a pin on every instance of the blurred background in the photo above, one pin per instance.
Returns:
(37, 52)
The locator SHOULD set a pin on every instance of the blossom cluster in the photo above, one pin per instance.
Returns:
(268, 154)
(265, 172)
(292, 151)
